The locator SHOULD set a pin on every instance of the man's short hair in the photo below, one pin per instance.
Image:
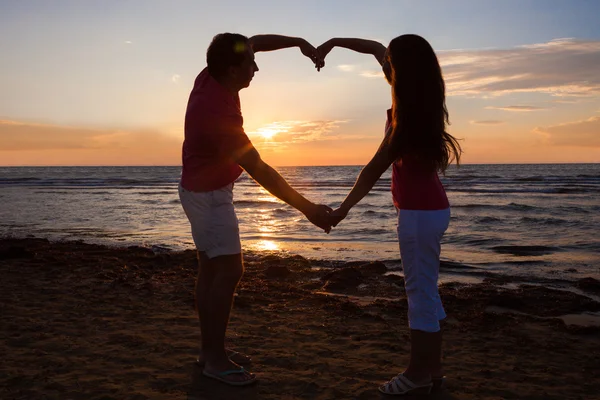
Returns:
(226, 50)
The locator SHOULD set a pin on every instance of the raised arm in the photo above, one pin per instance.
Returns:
(270, 179)
(276, 42)
(364, 46)
(367, 178)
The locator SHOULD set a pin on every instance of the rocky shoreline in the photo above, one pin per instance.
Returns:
(86, 321)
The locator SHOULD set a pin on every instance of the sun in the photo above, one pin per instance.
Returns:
(268, 133)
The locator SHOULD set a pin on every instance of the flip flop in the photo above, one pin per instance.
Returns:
(234, 356)
(222, 377)
(402, 386)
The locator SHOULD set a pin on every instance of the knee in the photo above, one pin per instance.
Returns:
(231, 270)
(234, 273)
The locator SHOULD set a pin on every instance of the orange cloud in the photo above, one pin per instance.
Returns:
(580, 133)
(279, 135)
(487, 122)
(23, 143)
(517, 108)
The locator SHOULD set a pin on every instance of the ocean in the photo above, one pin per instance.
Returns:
(535, 222)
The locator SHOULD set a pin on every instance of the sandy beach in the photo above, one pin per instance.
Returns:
(82, 321)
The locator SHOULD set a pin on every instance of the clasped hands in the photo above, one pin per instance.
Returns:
(316, 54)
(325, 217)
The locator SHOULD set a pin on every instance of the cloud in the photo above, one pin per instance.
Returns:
(584, 133)
(175, 78)
(128, 42)
(566, 101)
(346, 67)
(365, 73)
(561, 67)
(487, 122)
(24, 136)
(517, 108)
(282, 133)
(372, 74)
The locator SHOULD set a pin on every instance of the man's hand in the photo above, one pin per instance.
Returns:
(335, 217)
(323, 50)
(311, 52)
(319, 215)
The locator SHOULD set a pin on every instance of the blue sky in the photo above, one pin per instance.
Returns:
(120, 70)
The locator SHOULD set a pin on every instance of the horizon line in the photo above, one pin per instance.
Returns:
(284, 166)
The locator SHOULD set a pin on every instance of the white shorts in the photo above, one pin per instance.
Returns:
(214, 224)
(419, 234)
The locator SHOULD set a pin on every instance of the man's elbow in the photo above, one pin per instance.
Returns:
(251, 42)
(252, 164)
(255, 42)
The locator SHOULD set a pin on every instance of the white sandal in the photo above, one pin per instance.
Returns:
(402, 386)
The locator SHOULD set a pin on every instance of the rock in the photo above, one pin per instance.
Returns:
(277, 271)
(507, 300)
(15, 252)
(373, 268)
(351, 264)
(589, 285)
(397, 279)
(140, 249)
(344, 278)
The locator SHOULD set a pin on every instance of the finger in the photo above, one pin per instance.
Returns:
(336, 220)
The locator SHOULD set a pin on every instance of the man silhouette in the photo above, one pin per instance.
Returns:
(216, 150)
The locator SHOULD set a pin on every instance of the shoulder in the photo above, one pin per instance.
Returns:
(208, 96)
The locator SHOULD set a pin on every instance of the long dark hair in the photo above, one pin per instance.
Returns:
(419, 108)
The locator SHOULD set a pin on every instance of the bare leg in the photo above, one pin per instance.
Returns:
(437, 369)
(204, 281)
(217, 281)
(425, 355)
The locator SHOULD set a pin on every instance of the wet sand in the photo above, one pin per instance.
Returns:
(83, 321)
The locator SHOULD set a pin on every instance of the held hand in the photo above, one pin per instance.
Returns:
(335, 217)
(309, 51)
(323, 50)
(319, 215)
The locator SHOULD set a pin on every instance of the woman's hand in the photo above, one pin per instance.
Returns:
(323, 50)
(336, 216)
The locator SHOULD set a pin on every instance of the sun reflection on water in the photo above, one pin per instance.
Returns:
(268, 245)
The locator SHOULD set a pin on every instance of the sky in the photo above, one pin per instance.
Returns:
(107, 82)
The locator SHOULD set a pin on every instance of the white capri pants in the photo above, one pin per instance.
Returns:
(419, 235)
(214, 223)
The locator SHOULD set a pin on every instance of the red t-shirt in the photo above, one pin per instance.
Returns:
(214, 132)
(415, 187)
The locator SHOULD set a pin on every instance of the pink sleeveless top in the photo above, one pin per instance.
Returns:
(414, 187)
